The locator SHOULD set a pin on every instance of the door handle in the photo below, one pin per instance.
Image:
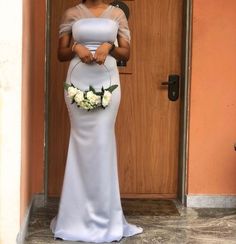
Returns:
(173, 87)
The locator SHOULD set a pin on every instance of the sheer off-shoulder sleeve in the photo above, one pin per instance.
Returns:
(67, 19)
(123, 30)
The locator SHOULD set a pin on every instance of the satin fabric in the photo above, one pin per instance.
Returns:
(90, 208)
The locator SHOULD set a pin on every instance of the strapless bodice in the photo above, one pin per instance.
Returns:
(92, 32)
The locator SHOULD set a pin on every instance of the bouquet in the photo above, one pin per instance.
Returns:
(90, 99)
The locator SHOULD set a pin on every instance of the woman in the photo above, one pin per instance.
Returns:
(90, 208)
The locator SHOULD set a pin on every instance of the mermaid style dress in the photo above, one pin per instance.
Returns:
(90, 208)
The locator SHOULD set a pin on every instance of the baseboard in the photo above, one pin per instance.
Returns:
(210, 201)
(37, 200)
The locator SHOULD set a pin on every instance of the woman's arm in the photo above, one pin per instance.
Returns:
(65, 53)
(122, 52)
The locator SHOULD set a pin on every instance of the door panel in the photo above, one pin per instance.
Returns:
(147, 126)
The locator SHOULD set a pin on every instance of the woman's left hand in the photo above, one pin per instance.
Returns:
(102, 52)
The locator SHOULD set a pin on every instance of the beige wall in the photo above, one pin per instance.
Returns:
(10, 118)
(212, 159)
(32, 101)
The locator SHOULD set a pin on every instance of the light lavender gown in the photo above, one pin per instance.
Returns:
(90, 208)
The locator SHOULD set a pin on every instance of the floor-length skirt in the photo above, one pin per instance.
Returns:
(90, 208)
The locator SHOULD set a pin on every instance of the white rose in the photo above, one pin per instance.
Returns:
(106, 98)
(79, 96)
(93, 98)
(98, 100)
(72, 91)
(85, 104)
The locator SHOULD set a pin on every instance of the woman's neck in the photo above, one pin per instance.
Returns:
(93, 3)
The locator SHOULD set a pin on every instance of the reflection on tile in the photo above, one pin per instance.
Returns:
(165, 221)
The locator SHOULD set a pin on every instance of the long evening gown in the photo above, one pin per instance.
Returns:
(90, 208)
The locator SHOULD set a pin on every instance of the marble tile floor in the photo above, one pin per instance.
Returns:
(164, 221)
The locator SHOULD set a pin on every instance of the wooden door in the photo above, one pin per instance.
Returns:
(147, 126)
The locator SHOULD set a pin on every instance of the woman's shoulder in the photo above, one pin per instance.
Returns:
(117, 13)
(78, 11)
(72, 12)
(117, 10)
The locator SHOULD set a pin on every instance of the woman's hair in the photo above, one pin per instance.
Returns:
(83, 1)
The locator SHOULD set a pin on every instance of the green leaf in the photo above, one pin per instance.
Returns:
(66, 85)
(112, 88)
(99, 93)
(92, 89)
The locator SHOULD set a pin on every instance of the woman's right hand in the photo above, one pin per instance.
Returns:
(84, 53)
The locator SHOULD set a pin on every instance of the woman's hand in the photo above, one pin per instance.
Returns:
(84, 53)
(102, 52)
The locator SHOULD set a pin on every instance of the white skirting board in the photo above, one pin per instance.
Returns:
(36, 201)
(211, 201)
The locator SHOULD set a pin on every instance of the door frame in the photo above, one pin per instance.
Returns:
(184, 99)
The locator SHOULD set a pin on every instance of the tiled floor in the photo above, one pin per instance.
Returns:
(164, 221)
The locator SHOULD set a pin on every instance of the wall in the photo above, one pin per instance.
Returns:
(32, 101)
(10, 118)
(212, 159)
